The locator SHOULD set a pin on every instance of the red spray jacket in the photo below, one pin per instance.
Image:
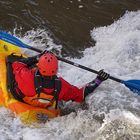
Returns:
(24, 77)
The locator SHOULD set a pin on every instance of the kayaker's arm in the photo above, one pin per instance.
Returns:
(70, 92)
(90, 87)
(30, 60)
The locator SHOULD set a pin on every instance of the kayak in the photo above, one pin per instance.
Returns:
(26, 112)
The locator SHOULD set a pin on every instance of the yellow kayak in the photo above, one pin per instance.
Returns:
(27, 113)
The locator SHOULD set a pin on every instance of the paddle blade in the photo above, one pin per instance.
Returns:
(133, 85)
(13, 40)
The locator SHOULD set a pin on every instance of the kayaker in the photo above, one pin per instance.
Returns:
(38, 84)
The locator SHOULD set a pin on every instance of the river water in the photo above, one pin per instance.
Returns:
(99, 34)
(69, 21)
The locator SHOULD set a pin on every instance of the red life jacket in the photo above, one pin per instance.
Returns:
(43, 101)
(45, 97)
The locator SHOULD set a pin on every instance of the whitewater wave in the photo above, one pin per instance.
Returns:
(113, 110)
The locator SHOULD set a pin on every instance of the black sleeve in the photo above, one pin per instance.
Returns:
(90, 87)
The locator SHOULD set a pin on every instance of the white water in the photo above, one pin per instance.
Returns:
(114, 111)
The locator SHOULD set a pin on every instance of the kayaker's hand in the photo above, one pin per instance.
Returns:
(29, 61)
(42, 117)
(102, 76)
(45, 51)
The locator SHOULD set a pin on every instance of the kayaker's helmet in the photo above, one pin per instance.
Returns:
(48, 64)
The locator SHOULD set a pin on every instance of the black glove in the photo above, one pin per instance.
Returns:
(30, 60)
(34, 59)
(102, 76)
(42, 117)
(45, 51)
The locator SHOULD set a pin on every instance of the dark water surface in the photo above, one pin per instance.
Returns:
(69, 21)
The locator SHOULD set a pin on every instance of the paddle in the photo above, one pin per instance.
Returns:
(133, 85)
